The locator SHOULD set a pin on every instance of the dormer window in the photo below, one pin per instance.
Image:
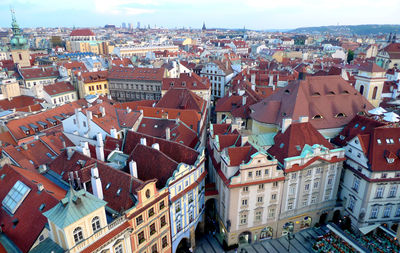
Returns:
(390, 160)
(316, 94)
(331, 93)
(340, 115)
(318, 116)
(287, 92)
(379, 141)
(342, 137)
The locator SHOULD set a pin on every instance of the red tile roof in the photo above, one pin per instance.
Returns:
(39, 73)
(177, 98)
(149, 74)
(82, 32)
(58, 88)
(227, 140)
(115, 179)
(239, 155)
(15, 125)
(189, 117)
(20, 102)
(29, 218)
(326, 96)
(74, 65)
(371, 67)
(292, 141)
(190, 81)
(133, 105)
(179, 132)
(176, 151)
(92, 77)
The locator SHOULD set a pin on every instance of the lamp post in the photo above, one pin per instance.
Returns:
(290, 236)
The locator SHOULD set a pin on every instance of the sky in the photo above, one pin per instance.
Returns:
(252, 14)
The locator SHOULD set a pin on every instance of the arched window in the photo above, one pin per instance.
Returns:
(340, 115)
(374, 93)
(95, 223)
(362, 89)
(78, 235)
(317, 116)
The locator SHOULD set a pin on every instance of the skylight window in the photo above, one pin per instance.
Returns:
(363, 128)
(282, 145)
(379, 141)
(356, 125)
(108, 186)
(15, 197)
(119, 191)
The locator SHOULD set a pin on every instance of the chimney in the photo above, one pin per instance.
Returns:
(97, 187)
(77, 117)
(133, 168)
(85, 148)
(167, 133)
(156, 146)
(113, 133)
(271, 80)
(70, 152)
(102, 111)
(40, 187)
(244, 98)
(100, 147)
(303, 119)
(285, 124)
(143, 141)
(253, 79)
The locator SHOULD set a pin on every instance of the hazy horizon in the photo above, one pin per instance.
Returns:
(233, 14)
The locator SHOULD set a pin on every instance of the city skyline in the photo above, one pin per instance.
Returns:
(221, 14)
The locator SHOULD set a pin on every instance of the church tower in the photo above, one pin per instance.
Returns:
(203, 29)
(19, 45)
(369, 82)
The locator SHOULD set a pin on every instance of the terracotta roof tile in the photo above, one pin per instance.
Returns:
(58, 88)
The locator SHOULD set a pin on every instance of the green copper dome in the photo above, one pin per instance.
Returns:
(17, 41)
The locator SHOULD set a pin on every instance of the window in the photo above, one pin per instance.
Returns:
(141, 238)
(397, 211)
(292, 189)
(15, 196)
(294, 175)
(379, 192)
(163, 221)
(352, 203)
(152, 229)
(245, 189)
(266, 171)
(250, 174)
(258, 173)
(244, 202)
(356, 184)
(308, 173)
(273, 196)
(178, 225)
(139, 220)
(258, 215)
(178, 206)
(243, 219)
(119, 249)
(374, 212)
(190, 197)
(392, 191)
(271, 213)
(275, 184)
(151, 212)
(154, 248)
(164, 241)
(78, 236)
(307, 187)
(95, 224)
(261, 186)
(313, 200)
(84, 124)
(259, 199)
(387, 211)
(330, 181)
(316, 184)
(290, 206)
(384, 175)
(162, 205)
(318, 170)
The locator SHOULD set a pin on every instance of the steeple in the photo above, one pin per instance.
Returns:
(394, 38)
(17, 41)
(204, 26)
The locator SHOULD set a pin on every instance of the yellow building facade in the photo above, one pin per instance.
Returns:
(93, 83)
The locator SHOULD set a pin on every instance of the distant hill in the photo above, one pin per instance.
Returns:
(350, 29)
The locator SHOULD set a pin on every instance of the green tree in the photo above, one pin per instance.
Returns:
(350, 56)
